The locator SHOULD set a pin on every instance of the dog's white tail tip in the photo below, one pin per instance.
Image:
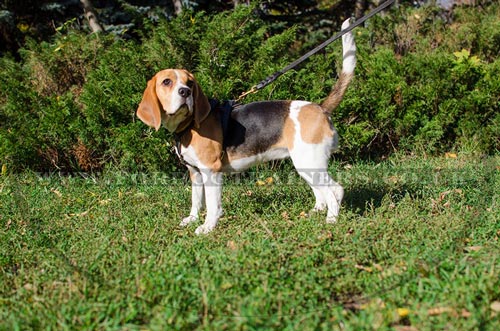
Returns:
(348, 49)
(346, 24)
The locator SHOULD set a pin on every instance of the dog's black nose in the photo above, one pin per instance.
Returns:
(184, 92)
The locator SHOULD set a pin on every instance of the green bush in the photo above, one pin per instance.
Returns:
(40, 105)
(422, 85)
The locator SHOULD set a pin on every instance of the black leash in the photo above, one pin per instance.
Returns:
(295, 63)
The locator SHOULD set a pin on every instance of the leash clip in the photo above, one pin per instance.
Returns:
(254, 89)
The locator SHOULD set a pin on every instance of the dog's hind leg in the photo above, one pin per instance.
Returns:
(311, 164)
(320, 203)
(334, 193)
(331, 192)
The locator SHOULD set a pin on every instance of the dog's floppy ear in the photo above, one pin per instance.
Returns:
(201, 104)
(149, 108)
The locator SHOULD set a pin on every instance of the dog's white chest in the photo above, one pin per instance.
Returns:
(188, 156)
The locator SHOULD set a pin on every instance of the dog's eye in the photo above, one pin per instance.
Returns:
(190, 83)
(167, 82)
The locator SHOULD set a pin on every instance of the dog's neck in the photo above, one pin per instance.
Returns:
(184, 126)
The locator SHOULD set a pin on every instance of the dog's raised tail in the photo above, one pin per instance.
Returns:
(348, 65)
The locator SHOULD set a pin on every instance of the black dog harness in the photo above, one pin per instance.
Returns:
(223, 112)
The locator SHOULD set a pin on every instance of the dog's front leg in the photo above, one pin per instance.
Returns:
(197, 196)
(213, 193)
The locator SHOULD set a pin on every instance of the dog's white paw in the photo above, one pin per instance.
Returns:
(204, 229)
(188, 220)
(318, 209)
(331, 219)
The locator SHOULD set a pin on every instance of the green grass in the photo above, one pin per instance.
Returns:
(416, 248)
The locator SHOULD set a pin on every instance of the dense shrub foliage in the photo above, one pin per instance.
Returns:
(424, 83)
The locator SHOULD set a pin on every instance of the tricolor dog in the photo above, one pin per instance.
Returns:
(253, 133)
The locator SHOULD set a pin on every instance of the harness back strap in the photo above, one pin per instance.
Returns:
(223, 111)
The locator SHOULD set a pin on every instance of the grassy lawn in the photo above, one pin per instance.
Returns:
(416, 248)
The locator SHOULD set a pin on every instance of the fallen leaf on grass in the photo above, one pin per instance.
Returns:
(405, 328)
(362, 304)
(29, 287)
(375, 266)
(393, 179)
(445, 193)
(495, 306)
(267, 181)
(82, 214)
(450, 155)
(232, 245)
(140, 196)
(391, 271)
(362, 267)
(226, 286)
(473, 248)
(440, 201)
(465, 313)
(56, 192)
(448, 310)
(327, 235)
(441, 310)
(403, 312)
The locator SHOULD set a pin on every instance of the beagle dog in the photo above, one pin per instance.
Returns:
(256, 132)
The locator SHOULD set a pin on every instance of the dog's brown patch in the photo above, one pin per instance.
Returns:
(207, 143)
(314, 124)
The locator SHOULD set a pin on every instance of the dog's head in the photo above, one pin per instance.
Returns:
(173, 98)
